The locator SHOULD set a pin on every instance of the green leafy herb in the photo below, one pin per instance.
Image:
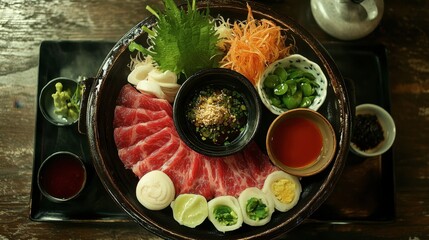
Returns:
(183, 41)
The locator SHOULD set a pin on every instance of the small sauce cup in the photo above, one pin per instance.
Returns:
(301, 142)
(62, 177)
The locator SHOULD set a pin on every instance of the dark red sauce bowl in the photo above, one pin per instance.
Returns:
(62, 176)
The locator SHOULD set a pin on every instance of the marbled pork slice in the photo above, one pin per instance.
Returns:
(215, 170)
(139, 151)
(158, 158)
(125, 116)
(189, 174)
(178, 167)
(258, 163)
(130, 97)
(130, 135)
(237, 176)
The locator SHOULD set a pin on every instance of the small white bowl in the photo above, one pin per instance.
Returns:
(387, 124)
(302, 63)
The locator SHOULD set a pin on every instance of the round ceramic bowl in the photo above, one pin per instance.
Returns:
(300, 62)
(46, 102)
(216, 79)
(62, 177)
(301, 142)
(387, 125)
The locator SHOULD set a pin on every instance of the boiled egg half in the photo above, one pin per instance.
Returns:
(284, 189)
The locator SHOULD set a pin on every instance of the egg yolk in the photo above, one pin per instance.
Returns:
(284, 190)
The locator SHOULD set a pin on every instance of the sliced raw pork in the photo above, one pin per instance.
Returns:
(131, 98)
(147, 140)
(130, 135)
(125, 117)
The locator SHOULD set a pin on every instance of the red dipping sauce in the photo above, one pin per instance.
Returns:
(62, 176)
(296, 142)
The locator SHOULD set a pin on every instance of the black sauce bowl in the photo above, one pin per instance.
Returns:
(216, 78)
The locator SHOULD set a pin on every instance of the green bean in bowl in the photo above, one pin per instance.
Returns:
(292, 82)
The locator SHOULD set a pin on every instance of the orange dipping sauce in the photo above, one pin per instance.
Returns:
(296, 142)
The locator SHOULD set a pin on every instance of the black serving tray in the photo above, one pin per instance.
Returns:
(71, 60)
(365, 192)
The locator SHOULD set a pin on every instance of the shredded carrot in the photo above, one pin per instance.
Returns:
(253, 45)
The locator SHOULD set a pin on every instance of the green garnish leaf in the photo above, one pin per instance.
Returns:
(183, 41)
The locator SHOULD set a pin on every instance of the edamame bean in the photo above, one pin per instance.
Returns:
(281, 89)
(306, 101)
(292, 101)
(307, 90)
(290, 87)
(281, 73)
(276, 101)
(271, 81)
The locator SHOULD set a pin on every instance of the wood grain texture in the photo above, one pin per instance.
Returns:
(404, 31)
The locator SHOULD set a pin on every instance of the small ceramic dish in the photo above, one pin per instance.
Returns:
(62, 177)
(302, 63)
(46, 101)
(216, 80)
(301, 142)
(364, 133)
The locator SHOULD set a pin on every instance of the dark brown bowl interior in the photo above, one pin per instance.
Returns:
(121, 183)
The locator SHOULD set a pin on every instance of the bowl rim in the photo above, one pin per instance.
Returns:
(387, 119)
(250, 97)
(286, 61)
(316, 166)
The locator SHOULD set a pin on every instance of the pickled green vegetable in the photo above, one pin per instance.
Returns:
(256, 209)
(225, 215)
(290, 87)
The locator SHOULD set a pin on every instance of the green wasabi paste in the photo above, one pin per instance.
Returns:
(67, 105)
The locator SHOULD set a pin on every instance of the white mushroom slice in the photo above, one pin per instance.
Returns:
(256, 206)
(284, 188)
(151, 88)
(139, 73)
(190, 209)
(155, 190)
(157, 75)
(225, 213)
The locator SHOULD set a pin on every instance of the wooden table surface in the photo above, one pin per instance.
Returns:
(404, 30)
